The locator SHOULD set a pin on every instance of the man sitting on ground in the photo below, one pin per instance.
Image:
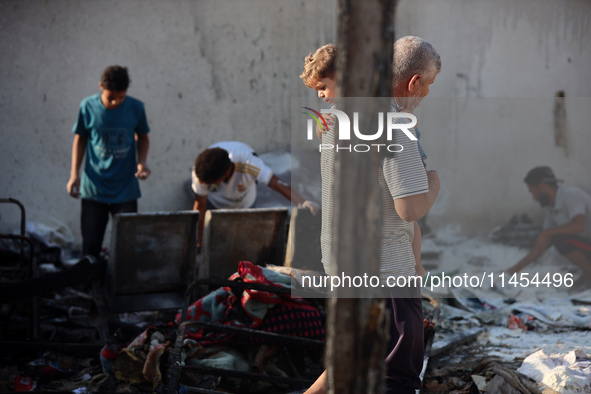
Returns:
(567, 224)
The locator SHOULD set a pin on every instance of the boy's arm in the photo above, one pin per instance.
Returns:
(321, 130)
(143, 145)
(200, 205)
(286, 191)
(78, 150)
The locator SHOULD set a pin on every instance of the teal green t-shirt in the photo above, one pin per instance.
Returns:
(109, 172)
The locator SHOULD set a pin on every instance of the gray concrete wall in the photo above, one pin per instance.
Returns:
(206, 70)
(489, 117)
(219, 70)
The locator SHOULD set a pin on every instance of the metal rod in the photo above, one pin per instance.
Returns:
(255, 376)
(243, 331)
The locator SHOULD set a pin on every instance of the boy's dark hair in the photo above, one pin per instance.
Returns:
(212, 164)
(541, 174)
(115, 78)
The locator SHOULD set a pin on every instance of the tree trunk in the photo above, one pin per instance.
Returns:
(357, 326)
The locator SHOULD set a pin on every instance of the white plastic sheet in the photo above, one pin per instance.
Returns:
(567, 373)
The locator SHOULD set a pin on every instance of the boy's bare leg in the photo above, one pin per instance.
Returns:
(416, 250)
(319, 386)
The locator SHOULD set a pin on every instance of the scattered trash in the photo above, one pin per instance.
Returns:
(567, 373)
(519, 231)
(455, 340)
(476, 326)
(23, 383)
(499, 384)
(501, 379)
(53, 363)
(516, 323)
(470, 300)
(480, 382)
(54, 242)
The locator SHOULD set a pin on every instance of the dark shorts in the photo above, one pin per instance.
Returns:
(406, 348)
(566, 244)
(94, 219)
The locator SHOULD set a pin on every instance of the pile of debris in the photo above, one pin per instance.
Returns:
(487, 339)
(494, 339)
(519, 231)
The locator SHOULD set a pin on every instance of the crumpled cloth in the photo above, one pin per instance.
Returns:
(263, 310)
(219, 306)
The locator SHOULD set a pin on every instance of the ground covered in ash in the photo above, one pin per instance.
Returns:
(482, 342)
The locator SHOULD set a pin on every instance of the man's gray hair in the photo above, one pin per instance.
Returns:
(413, 55)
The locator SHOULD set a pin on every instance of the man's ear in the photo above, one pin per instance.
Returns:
(101, 86)
(414, 83)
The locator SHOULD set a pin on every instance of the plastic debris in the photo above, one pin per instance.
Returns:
(24, 383)
(567, 373)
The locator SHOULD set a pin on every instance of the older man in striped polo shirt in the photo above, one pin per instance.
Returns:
(408, 192)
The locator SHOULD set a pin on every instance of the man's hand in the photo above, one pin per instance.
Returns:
(542, 243)
(312, 206)
(420, 270)
(143, 172)
(433, 179)
(73, 186)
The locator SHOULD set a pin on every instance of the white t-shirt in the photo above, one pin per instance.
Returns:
(570, 202)
(240, 190)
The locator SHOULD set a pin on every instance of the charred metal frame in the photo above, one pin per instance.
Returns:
(281, 339)
(26, 266)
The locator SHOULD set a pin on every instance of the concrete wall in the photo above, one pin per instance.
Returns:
(489, 117)
(211, 70)
(206, 70)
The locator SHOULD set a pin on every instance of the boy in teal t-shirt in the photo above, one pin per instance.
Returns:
(106, 130)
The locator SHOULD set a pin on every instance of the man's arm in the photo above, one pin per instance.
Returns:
(78, 150)
(413, 208)
(200, 205)
(416, 250)
(544, 241)
(143, 145)
(286, 191)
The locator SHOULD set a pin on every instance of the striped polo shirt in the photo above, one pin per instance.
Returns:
(400, 175)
